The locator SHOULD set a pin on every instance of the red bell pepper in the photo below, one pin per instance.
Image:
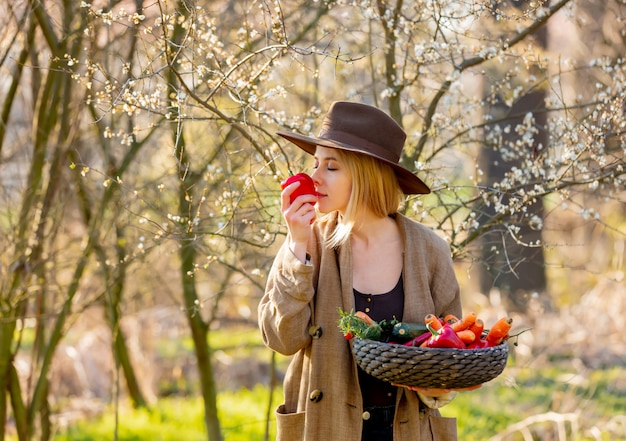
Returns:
(479, 343)
(417, 341)
(306, 185)
(444, 338)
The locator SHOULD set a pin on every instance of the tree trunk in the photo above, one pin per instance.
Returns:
(120, 349)
(517, 270)
(187, 178)
(199, 329)
(199, 333)
(112, 299)
(7, 331)
(19, 409)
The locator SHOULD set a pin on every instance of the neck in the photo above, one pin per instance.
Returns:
(370, 228)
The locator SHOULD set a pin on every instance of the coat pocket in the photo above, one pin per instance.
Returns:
(439, 428)
(289, 426)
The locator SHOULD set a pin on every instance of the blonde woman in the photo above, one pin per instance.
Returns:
(361, 254)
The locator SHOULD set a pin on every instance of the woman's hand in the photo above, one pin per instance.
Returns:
(435, 392)
(435, 398)
(299, 216)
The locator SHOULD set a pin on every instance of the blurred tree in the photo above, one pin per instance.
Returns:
(511, 255)
(41, 250)
(508, 260)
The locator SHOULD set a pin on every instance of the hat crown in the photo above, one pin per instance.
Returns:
(367, 128)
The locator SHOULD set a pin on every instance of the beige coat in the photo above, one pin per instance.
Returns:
(322, 396)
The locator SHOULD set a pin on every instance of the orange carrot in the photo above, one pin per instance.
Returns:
(478, 327)
(366, 318)
(450, 318)
(465, 322)
(466, 336)
(433, 321)
(499, 331)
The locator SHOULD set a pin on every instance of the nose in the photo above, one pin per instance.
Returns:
(315, 176)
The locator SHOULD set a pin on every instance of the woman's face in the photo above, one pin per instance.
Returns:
(332, 181)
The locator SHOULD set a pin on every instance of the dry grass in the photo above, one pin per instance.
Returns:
(573, 359)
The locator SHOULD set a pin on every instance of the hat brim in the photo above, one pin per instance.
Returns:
(409, 183)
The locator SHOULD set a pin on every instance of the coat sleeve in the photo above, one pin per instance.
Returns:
(285, 308)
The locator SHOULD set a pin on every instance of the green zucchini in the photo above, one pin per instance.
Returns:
(406, 331)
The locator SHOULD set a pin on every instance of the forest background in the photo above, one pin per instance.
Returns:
(139, 184)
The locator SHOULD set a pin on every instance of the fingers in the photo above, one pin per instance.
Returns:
(285, 196)
(298, 215)
(431, 391)
(465, 389)
(436, 392)
(301, 210)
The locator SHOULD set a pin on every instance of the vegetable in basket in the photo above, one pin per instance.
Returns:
(445, 337)
(359, 324)
(450, 332)
(403, 331)
(499, 331)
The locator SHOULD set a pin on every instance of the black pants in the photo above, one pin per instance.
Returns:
(378, 424)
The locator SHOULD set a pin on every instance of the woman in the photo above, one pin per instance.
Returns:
(360, 255)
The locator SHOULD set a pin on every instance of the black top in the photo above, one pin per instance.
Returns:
(379, 307)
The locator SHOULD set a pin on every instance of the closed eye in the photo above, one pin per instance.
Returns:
(329, 166)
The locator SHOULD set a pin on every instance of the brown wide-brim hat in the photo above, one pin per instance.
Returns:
(363, 129)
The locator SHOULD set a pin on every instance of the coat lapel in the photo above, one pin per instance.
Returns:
(344, 266)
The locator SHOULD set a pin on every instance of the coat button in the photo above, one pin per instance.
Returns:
(315, 331)
(366, 415)
(316, 396)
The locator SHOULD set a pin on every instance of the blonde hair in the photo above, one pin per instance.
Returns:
(374, 187)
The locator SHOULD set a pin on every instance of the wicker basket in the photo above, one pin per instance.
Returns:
(430, 367)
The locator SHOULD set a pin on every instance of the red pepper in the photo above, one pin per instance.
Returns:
(444, 338)
(306, 185)
(417, 341)
(479, 343)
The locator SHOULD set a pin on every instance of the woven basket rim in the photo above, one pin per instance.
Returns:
(429, 367)
(378, 342)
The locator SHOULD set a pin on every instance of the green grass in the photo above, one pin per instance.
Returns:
(517, 394)
(173, 419)
(242, 418)
(246, 414)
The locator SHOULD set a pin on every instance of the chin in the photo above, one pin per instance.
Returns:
(321, 209)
